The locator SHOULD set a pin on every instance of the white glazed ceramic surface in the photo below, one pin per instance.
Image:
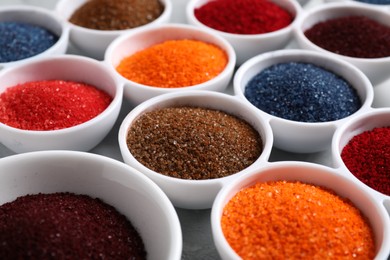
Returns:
(115, 183)
(315, 174)
(137, 40)
(40, 17)
(82, 137)
(303, 137)
(194, 194)
(246, 46)
(378, 117)
(376, 69)
(95, 42)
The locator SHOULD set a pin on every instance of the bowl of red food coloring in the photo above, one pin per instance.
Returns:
(191, 143)
(59, 102)
(357, 34)
(299, 210)
(30, 32)
(304, 95)
(94, 24)
(170, 58)
(361, 147)
(251, 26)
(79, 205)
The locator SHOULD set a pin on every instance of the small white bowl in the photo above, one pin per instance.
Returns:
(247, 46)
(303, 137)
(82, 137)
(314, 174)
(130, 192)
(376, 69)
(378, 117)
(194, 194)
(39, 17)
(137, 40)
(94, 43)
(380, 6)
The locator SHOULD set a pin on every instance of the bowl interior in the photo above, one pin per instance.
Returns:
(313, 174)
(132, 194)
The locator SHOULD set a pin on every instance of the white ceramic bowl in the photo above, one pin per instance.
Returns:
(314, 174)
(137, 40)
(115, 183)
(378, 117)
(92, 42)
(380, 6)
(194, 194)
(245, 45)
(303, 137)
(82, 137)
(376, 69)
(40, 17)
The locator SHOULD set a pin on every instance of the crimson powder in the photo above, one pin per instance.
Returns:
(367, 156)
(66, 226)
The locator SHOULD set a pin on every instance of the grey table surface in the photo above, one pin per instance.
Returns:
(196, 228)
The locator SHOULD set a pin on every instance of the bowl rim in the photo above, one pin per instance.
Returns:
(63, 38)
(128, 171)
(225, 46)
(296, 55)
(328, 8)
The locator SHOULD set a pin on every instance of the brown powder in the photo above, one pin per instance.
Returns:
(193, 143)
(116, 15)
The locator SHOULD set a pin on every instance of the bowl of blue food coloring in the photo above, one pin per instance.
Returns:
(304, 95)
(29, 32)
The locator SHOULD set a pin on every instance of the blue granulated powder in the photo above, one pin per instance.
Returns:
(375, 2)
(302, 92)
(20, 41)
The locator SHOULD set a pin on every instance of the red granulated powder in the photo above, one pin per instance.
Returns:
(354, 36)
(367, 156)
(66, 226)
(243, 16)
(51, 104)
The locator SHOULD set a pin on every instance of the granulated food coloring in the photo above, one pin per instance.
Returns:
(243, 16)
(367, 155)
(21, 40)
(174, 64)
(51, 104)
(279, 219)
(66, 225)
(193, 142)
(302, 92)
(116, 15)
(353, 35)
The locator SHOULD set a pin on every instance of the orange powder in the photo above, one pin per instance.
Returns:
(174, 64)
(280, 220)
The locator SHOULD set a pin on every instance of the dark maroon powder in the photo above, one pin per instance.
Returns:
(66, 226)
(354, 36)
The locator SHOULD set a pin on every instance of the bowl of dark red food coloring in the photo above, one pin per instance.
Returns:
(361, 147)
(304, 94)
(59, 102)
(29, 32)
(357, 34)
(251, 26)
(78, 205)
(191, 143)
(299, 210)
(94, 24)
(170, 58)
